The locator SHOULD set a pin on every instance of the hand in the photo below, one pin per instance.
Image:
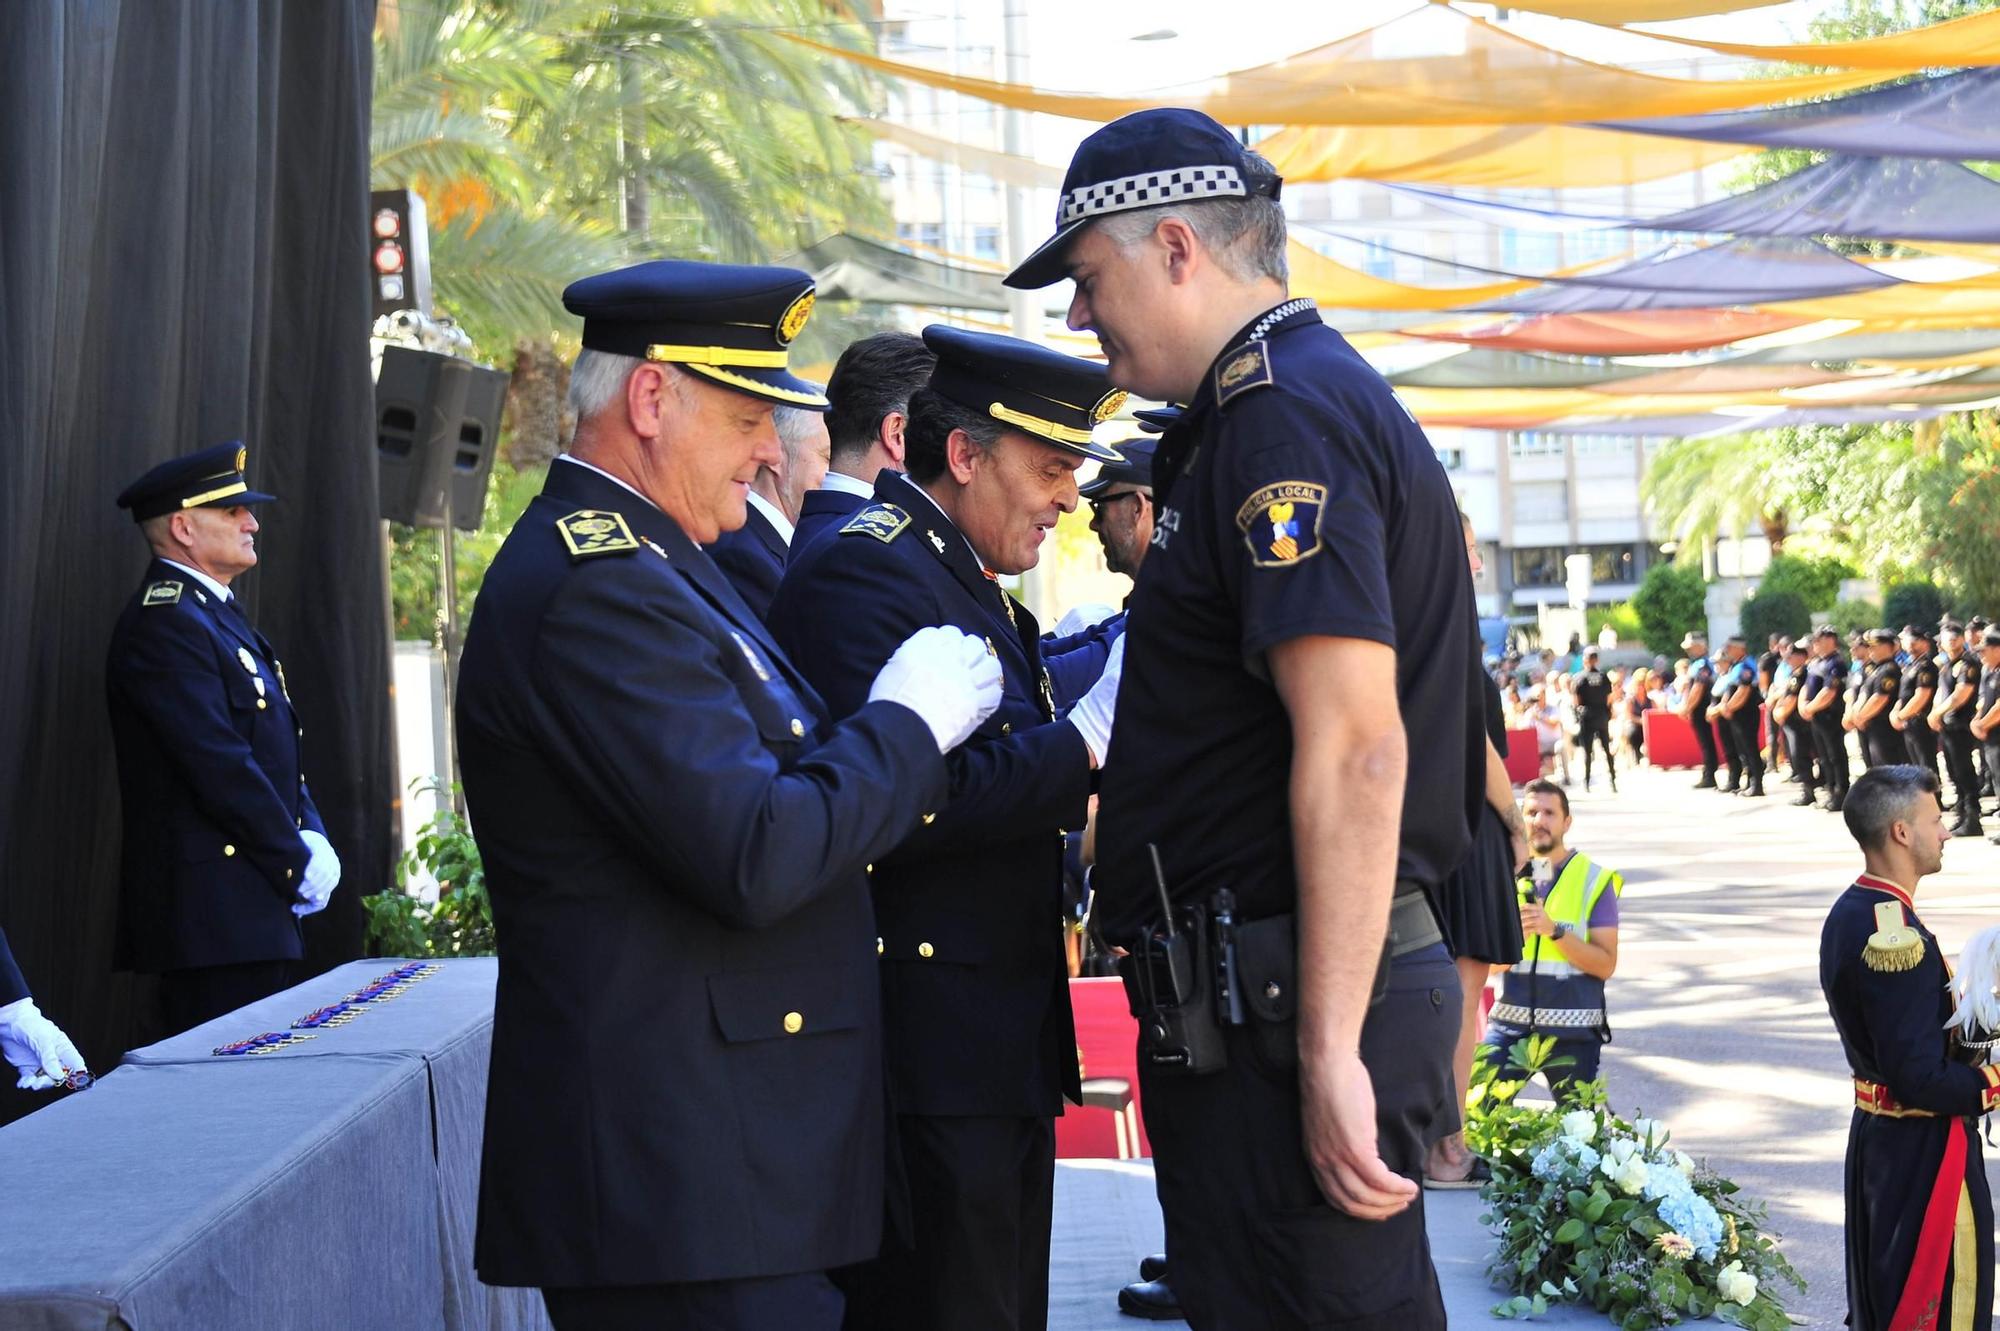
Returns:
(1535, 920)
(36, 1046)
(1936, 721)
(1979, 730)
(1093, 711)
(947, 677)
(322, 870)
(1899, 723)
(1337, 1120)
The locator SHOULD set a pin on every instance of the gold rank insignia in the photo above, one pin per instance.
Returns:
(593, 531)
(1280, 522)
(885, 522)
(1107, 406)
(793, 321)
(1241, 370)
(166, 592)
(1894, 946)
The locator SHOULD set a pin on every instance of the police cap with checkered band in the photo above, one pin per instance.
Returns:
(1144, 160)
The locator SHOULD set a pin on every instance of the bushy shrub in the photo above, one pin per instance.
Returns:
(1855, 616)
(1814, 581)
(1774, 612)
(1912, 603)
(1671, 601)
(1622, 618)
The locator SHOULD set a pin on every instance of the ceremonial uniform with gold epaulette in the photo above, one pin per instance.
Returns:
(212, 793)
(1919, 1230)
(686, 1083)
(980, 1040)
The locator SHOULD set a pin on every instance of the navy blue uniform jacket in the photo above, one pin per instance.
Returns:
(686, 1074)
(820, 514)
(753, 559)
(974, 981)
(212, 794)
(12, 987)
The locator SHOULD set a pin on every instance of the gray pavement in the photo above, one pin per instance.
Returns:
(1720, 1031)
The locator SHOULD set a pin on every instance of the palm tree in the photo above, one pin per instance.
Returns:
(1699, 489)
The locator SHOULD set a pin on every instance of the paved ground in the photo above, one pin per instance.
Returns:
(1720, 1030)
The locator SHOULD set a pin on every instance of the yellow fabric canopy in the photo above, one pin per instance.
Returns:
(1494, 77)
(1962, 42)
(1911, 307)
(1490, 156)
(1635, 11)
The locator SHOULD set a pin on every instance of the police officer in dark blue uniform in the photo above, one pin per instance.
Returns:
(1739, 699)
(981, 1044)
(1951, 720)
(1302, 629)
(41, 1055)
(753, 556)
(1821, 702)
(868, 398)
(1695, 704)
(1911, 714)
(1919, 1226)
(1875, 703)
(223, 848)
(1786, 714)
(684, 1121)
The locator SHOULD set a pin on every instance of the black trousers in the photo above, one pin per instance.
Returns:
(1882, 745)
(1799, 744)
(1921, 743)
(1732, 756)
(806, 1302)
(1958, 746)
(1749, 754)
(202, 993)
(1596, 731)
(1704, 738)
(1990, 751)
(1830, 745)
(982, 1199)
(1253, 1244)
(1582, 1047)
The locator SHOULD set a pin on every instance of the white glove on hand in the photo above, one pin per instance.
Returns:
(1092, 713)
(322, 874)
(36, 1047)
(946, 677)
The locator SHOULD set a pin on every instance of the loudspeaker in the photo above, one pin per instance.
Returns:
(437, 428)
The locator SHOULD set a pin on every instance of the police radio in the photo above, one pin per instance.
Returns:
(1170, 984)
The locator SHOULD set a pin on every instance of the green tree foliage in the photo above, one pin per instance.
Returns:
(1854, 617)
(1774, 612)
(1670, 603)
(1700, 489)
(1919, 603)
(1816, 582)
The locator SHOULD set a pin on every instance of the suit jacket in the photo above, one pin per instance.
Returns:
(686, 1076)
(12, 987)
(821, 514)
(974, 979)
(753, 559)
(209, 779)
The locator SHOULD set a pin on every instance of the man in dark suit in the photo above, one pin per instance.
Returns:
(40, 1053)
(684, 1122)
(223, 849)
(981, 1045)
(753, 556)
(869, 394)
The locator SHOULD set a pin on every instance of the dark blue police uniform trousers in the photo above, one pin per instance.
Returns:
(1726, 734)
(806, 1302)
(1254, 1246)
(1830, 747)
(1704, 738)
(1584, 1048)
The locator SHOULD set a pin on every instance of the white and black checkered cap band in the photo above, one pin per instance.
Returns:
(1149, 189)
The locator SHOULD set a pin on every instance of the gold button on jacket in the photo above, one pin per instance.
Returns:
(794, 1023)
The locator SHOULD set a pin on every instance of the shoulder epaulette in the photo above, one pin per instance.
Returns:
(1239, 371)
(164, 592)
(593, 531)
(885, 522)
(1894, 946)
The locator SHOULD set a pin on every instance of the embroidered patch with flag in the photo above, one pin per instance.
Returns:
(885, 522)
(593, 531)
(1280, 522)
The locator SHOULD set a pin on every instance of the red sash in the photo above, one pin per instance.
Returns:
(1924, 1291)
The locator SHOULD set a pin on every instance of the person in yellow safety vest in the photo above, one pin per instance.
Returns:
(1569, 916)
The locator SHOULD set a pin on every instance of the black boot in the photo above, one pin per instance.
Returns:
(1152, 1300)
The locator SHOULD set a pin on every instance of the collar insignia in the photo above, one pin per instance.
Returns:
(165, 592)
(885, 522)
(1245, 368)
(591, 531)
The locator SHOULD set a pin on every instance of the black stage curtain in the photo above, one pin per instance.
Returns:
(183, 261)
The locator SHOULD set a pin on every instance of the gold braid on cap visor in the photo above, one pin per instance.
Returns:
(758, 386)
(1068, 434)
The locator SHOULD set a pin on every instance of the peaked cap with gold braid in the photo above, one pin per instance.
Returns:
(1044, 394)
(212, 478)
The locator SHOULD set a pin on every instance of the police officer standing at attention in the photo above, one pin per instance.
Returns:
(1306, 534)
(975, 982)
(1870, 716)
(1985, 724)
(684, 1123)
(223, 849)
(1741, 701)
(753, 556)
(1821, 703)
(1593, 715)
(1697, 701)
(1785, 714)
(869, 408)
(1913, 701)
(1950, 720)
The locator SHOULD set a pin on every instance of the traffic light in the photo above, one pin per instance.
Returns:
(399, 262)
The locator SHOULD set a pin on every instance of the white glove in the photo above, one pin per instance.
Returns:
(1092, 713)
(946, 677)
(36, 1047)
(322, 874)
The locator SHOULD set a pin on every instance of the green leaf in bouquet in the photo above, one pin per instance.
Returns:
(1578, 1200)
(1600, 1202)
(1571, 1230)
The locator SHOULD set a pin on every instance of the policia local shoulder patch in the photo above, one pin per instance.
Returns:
(1280, 522)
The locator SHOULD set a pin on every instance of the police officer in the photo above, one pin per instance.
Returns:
(753, 556)
(1822, 703)
(1950, 720)
(1770, 672)
(1785, 714)
(1919, 1217)
(1985, 726)
(1593, 715)
(1121, 506)
(975, 984)
(1305, 535)
(1697, 701)
(868, 398)
(1914, 698)
(1735, 713)
(41, 1055)
(684, 1121)
(1870, 716)
(223, 849)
